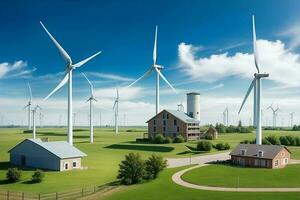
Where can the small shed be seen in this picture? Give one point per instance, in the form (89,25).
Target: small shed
(266,156)
(211,133)
(58,155)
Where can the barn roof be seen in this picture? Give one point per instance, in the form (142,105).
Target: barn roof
(269,151)
(61,149)
(180,115)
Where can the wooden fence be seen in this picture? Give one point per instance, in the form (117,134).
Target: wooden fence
(70,194)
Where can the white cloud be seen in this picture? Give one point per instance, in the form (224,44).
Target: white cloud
(110,76)
(16,69)
(282,65)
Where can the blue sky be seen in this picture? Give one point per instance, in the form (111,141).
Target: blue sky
(194,37)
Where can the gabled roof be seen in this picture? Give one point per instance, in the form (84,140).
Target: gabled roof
(61,149)
(180,115)
(269,151)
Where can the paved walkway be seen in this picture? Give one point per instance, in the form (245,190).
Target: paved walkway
(177,179)
(179,162)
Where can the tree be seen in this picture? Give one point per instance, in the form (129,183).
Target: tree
(154,165)
(159,139)
(132,169)
(273,139)
(178,139)
(13,175)
(204,146)
(37,176)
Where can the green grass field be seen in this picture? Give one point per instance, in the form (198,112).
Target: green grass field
(233,176)
(103,156)
(163,188)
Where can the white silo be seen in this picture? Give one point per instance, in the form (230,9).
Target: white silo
(193,105)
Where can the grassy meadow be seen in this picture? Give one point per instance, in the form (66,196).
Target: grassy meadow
(103,158)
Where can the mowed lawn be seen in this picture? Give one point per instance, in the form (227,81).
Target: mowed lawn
(104,155)
(233,176)
(163,188)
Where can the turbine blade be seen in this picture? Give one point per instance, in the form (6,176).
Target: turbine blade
(247,94)
(148,73)
(155,47)
(64,54)
(114,105)
(62,83)
(117,93)
(91,85)
(26,106)
(255,52)
(79,64)
(30,92)
(162,76)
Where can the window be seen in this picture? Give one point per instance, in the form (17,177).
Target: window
(260,153)
(243,152)
(276,162)
(66,166)
(167,116)
(282,153)
(74,164)
(154,129)
(165,122)
(175,122)
(154,122)
(286,161)
(177,128)
(164,129)
(163,115)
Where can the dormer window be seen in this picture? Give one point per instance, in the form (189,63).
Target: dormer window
(243,152)
(260,153)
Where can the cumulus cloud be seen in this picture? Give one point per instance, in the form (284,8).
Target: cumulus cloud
(110,76)
(16,69)
(282,65)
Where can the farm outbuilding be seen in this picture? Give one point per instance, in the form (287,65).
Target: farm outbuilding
(35,153)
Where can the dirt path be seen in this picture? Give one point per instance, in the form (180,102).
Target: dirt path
(178,180)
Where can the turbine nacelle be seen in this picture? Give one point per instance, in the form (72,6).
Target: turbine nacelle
(261,75)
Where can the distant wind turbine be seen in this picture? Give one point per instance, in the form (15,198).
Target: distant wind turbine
(29,106)
(34,120)
(67,78)
(274,112)
(225,116)
(158,69)
(256,85)
(91,99)
(116,109)
(292,118)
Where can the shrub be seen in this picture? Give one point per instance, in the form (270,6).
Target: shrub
(204,146)
(265,141)
(291,140)
(132,169)
(273,139)
(168,140)
(284,141)
(13,175)
(159,139)
(297,139)
(154,165)
(178,139)
(208,137)
(222,146)
(37,176)
(248,142)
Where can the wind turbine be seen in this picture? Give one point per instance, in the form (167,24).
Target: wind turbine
(116,109)
(292,118)
(29,106)
(256,85)
(225,116)
(67,78)
(158,69)
(34,119)
(274,111)
(91,99)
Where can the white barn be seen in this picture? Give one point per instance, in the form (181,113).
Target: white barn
(35,153)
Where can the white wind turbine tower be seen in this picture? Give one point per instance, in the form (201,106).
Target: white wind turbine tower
(225,116)
(292,118)
(274,112)
(116,109)
(34,120)
(158,69)
(256,85)
(29,106)
(67,78)
(91,118)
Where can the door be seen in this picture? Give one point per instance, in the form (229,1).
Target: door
(23,160)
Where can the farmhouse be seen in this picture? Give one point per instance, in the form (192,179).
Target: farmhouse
(35,153)
(266,156)
(172,123)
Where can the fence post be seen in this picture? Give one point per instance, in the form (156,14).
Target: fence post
(23,196)
(7,194)
(82,192)
(56,195)
(39,196)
